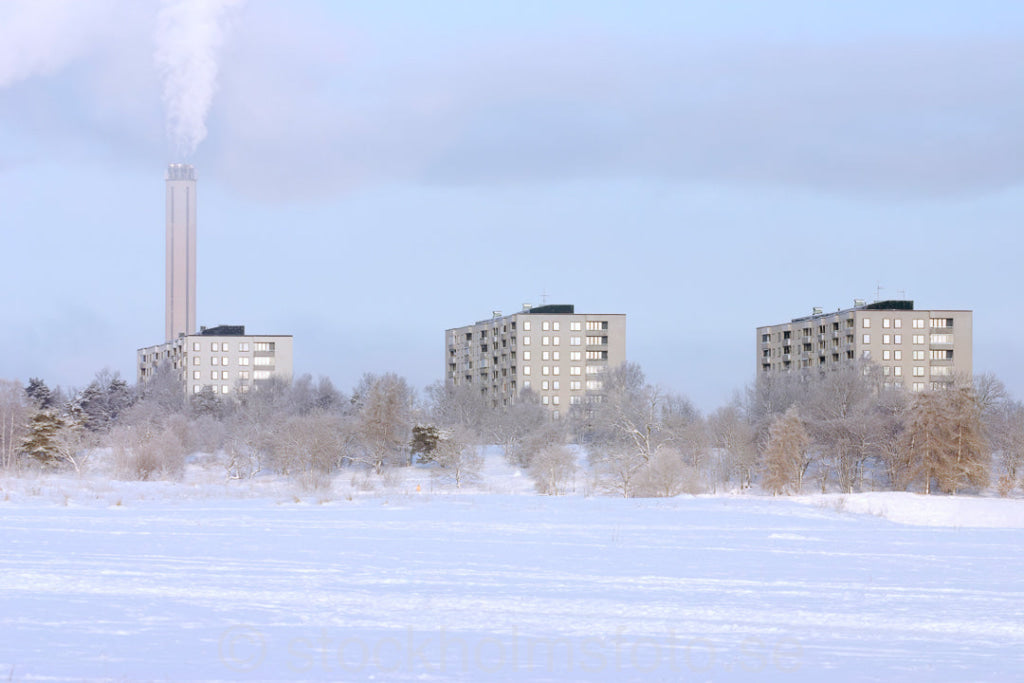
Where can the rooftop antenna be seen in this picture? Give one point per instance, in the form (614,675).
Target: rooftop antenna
(878,291)
(901,294)
(544,296)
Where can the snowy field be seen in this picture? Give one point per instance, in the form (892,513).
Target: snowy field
(255,581)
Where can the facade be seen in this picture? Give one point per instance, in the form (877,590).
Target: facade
(916,349)
(557,353)
(221,359)
(180,316)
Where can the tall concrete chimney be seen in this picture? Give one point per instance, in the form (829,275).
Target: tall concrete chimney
(181,251)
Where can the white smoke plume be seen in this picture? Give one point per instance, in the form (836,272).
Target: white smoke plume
(189,36)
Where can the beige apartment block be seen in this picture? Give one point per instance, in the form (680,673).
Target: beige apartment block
(180,255)
(557,353)
(222,359)
(915,349)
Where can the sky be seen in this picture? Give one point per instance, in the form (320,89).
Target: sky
(371,174)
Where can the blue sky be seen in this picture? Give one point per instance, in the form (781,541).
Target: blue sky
(373,173)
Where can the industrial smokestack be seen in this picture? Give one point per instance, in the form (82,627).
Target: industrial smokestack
(181,251)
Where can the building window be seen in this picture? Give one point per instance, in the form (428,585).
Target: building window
(575,385)
(575,355)
(897,355)
(214,346)
(887,339)
(263,346)
(941,371)
(918,355)
(898,371)
(261,374)
(196,389)
(545,400)
(545,326)
(196,374)
(897,339)
(867,337)
(918,323)
(866,354)
(897,323)
(594,385)
(545,385)
(918,371)
(556,385)
(546,355)
(195,360)
(545,341)
(575,326)
(575,400)
(917,386)
(555,400)
(556,370)
(556,340)
(555,355)
(225,389)
(526,384)
(574,341)
(526,325)
(195,346)
(243,346)
(942,339)
(243,361)
(215,360)
(243,374)
(866,323)
(526,369)
(919,339)
(887,355)
(526,340)
(545,370)
(886,322)
(575,370)
(556,326)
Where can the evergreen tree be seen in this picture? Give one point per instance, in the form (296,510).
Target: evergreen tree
(41,441)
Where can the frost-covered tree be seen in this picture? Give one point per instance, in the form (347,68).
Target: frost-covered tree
(733,439)
(458,457)
(512,426)
(15,410)
(383,421)
(553,469)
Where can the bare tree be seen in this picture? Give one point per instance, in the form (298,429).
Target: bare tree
(553,469)
(14,416)
(666,474)
(383,420)
(309,447)
(511,426)
(147,451)
(785,455)
(733,440)
(458,457)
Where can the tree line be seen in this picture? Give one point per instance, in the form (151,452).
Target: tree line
(840,431)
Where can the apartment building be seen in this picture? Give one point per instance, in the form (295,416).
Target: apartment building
(916,349)
(557,353)
(222,359)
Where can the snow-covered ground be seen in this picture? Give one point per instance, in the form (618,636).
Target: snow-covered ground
(204,580)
